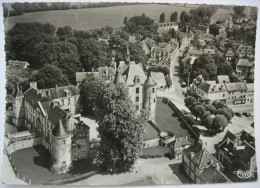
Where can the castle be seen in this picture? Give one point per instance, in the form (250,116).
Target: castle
(52,112)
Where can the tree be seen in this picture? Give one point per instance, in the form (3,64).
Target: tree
(226,113)
(239,9)
(174,17)
(125,20)
(219,123)
(64,32)
(210,108)
(162,17)
(189,101)
(207,122)
(214,29)
(93,54)
(49,76)
(90,88)
(218,104)
(117,39)
(225,69)
(198,111)
(120,130)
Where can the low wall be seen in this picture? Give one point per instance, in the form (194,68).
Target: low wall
(22,140)
(182,118)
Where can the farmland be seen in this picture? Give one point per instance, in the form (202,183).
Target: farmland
(222,14)
(89,18)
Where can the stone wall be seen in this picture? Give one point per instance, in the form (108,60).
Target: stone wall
(22,140)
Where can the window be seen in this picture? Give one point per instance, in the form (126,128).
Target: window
(153,90)
(63,141)
(136,99)
(137,107)
(223,95)
(154,100)
(137,90)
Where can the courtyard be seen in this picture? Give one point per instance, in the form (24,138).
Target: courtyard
(37,158)
(167,120)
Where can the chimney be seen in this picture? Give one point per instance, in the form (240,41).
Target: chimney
(56,86)
(33,85)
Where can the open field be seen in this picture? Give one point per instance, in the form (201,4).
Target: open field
(85,19)
(222,14)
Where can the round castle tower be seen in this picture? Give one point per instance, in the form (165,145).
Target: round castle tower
(61,161)
(149,97)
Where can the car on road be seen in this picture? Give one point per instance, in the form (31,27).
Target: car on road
(248,114)
(238,114)
(183,84)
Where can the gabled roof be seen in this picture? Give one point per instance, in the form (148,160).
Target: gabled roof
(158,77)
(132,71)
(209,51)
(204,87)
(180,142)
(250,87)
(59,92)
(195,52)
(56,114)
(199,79)
(230,53)
(118,78)
(223,78)
(212,175)
(18,64)
(237,86)
(244,63)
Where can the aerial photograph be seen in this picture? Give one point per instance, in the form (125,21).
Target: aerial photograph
(128,93)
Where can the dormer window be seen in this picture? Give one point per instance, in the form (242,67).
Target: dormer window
(67,93)
(137,80)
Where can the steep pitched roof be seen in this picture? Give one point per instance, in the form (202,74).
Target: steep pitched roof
(230,53)
(159,77)
(237,86)
(60,130)
(59,92)
(204,87)
(180,142)
(133,71)
(118,78)
(223,78)
(244,63)
(212,175)
(209,51)
(55,114)
(150,82)
(250,87)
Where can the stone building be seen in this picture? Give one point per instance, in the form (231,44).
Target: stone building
(52,113)
(237,152)
(201,166)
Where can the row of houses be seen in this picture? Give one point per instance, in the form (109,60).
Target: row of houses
(223,90)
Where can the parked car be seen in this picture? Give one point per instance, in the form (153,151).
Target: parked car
(248,114)
(183,84)
(238,114)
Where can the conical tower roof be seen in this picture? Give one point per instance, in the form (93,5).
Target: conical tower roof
(60,130)
(19,93)
(149,81)
(118,78)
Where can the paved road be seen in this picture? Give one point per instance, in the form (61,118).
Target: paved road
(242,107)
(156,169)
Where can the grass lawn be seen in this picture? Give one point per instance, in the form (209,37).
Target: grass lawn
(177,170)
(167,120)
(156,150)
(95,17)
(222,14)
(33,163)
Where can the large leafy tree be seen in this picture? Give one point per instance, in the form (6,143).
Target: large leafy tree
(93,54)
(120,130)
(162,17)
(90,89)
(219,123)
(198,111)
(49,76)
(174,17)
(189,101)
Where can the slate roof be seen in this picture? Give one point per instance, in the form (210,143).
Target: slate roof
(60,130)
(59,92)
(18,64)
(132,71)
(244,63)
(250,87)
(56,114)
(199,79)
(217,88)
(204,87)
(223,78)
(212,175)
(33,97)
(150,82)
(158,77)
(196,43)
(244,49)
(209,51)
(237,86)
(230,53)
(195,52)
(118,78)
(202,27)
(179,142)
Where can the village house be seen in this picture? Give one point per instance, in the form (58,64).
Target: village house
(160,79)
(223,79)
(166,26)
(201,166)
(212,91)
(229,56)
(245,51)
(237,152)
(177,146)
(18,64)
(106,74)
(243,68)
(236,93)
(250,93)
(147,45)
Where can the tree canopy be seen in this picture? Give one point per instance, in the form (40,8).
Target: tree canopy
(174,17)
(120,130)
(162,17)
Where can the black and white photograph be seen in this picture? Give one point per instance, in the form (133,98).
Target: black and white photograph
(126,93)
